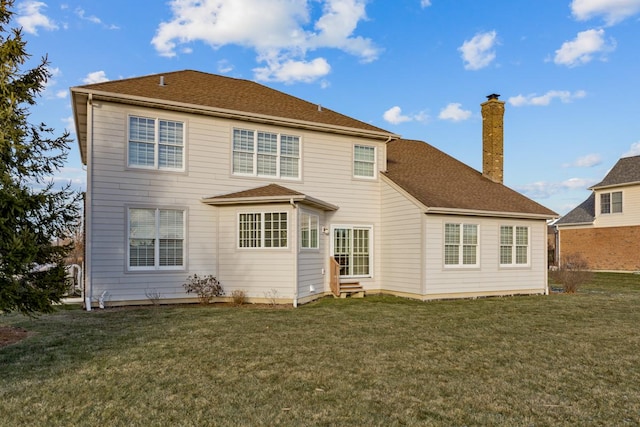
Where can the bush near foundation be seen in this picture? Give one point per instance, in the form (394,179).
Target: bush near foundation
(572,273)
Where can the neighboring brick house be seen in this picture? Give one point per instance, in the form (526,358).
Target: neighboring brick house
(605,228)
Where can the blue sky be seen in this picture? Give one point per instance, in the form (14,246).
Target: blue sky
(568,70)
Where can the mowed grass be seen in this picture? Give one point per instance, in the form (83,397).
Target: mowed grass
(526,360)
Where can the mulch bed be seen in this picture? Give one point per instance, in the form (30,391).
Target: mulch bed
(10,335)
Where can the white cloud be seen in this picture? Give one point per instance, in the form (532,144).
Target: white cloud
(94,19)
(564,96)
(478,52)
(290,71)
(587,161)
(95,77)
(454,112)
(613,11)
(31,18)
(425,3)
(543,189)
(394,116)
(281,32)
(61,94)
(582,49)
(634,150)
(224,66)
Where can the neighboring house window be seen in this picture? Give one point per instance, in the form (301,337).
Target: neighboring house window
(351,249)
(308,231)
(611,202)
(262,230)
(364,161)
(156,143)
(461,244)
(156,239)
(265,154)
(514,245)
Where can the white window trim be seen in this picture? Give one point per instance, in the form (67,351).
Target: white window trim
(318,230)
(461,245)
(611,212)
(371,247)
(278,156)
(514,246)
(262,239)
(375,162)
(156,144)
(156,267)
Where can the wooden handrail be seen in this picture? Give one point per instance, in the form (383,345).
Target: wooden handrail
(334,276)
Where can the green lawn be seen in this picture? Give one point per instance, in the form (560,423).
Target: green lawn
(539,360)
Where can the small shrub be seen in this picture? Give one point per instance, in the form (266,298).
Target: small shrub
(206,287)
(239,297)
(572,272)
(154,296)
(272,296)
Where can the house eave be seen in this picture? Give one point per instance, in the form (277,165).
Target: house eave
(231,114)
(604,187)
(495,214)
(302,199)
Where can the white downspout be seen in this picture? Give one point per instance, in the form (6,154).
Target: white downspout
(88,289)
(294,248)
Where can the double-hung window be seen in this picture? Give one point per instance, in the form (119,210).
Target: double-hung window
(461,245)
(156,143)
(514,245)
(156,239)
(611,202)
(309,231)
(262,230)
(257,153)
(364,161)
(352,250)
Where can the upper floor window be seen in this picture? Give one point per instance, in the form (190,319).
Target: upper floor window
(364,161)
(611,202)
(258,153)
(514,245)
(262,230)
(309,231)
(156,239)
(461,244)
(156,143)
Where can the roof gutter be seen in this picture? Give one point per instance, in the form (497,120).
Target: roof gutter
(232,114)
(227,201)
(472,212)
(604,187)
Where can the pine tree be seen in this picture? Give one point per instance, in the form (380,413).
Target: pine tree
(32,212)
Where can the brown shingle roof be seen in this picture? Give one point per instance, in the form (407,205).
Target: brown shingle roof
(439,181)
(272,193)
(226,93)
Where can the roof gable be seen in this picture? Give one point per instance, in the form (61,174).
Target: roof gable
(584,213)
(225,93)
(625,171)
(440,182)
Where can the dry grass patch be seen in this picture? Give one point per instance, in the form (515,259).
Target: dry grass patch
(557,360)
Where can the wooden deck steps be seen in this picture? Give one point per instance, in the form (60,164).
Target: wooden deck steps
(351,289)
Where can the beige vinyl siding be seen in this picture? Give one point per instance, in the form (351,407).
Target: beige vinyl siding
(312,262)
(256,271)
(326,174)
(402,254)
(630,214)
(490,276)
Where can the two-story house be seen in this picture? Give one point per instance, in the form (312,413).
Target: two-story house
(194,173)
(605,228)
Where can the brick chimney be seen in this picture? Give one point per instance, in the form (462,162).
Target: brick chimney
(493,138)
